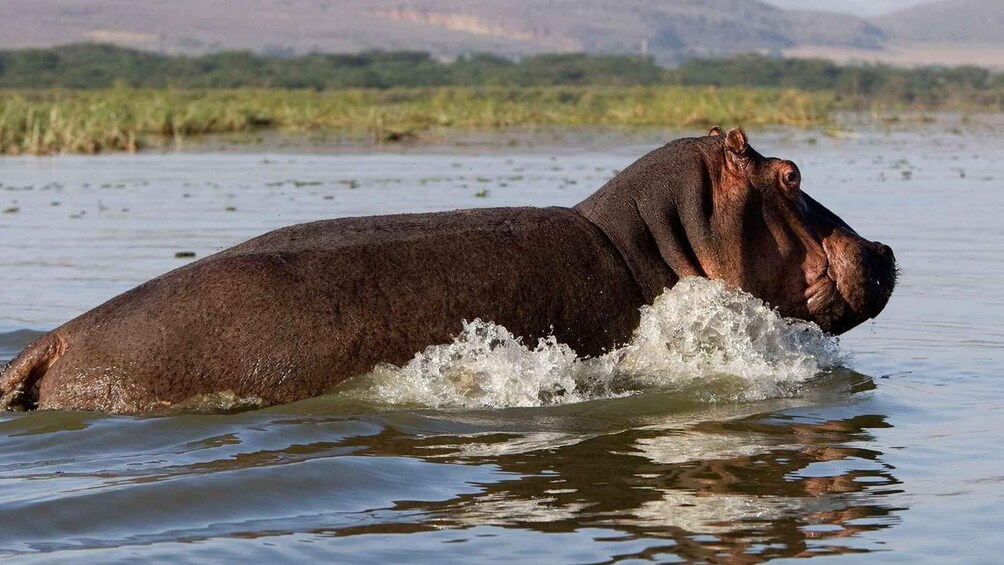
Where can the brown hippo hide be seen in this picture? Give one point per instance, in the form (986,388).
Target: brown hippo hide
(292,313)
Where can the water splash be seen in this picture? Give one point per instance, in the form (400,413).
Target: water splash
(724,344)
(699,339)
(485,366)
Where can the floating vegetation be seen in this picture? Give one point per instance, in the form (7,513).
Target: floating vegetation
(126,119)
(184,255)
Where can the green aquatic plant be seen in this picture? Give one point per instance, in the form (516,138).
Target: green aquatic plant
(126,119)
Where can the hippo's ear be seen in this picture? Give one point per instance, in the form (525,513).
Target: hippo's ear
(716,131)
(736,142)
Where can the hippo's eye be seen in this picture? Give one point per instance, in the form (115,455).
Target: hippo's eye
(790,178)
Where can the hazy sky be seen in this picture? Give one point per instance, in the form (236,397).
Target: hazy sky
(857,7)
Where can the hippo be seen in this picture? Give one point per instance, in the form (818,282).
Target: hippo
(292,313)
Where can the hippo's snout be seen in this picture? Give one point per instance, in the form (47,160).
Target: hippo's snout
(864,275)
(883,273)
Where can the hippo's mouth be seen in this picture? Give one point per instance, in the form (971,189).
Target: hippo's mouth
(827,307)
(821,293)
(849,289)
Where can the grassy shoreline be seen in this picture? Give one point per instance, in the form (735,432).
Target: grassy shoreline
(126,119)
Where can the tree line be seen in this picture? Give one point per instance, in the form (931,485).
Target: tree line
(94,66)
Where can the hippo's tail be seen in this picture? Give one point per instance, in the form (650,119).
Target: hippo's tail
(19,380)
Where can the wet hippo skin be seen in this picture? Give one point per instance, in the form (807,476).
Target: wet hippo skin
(292,313)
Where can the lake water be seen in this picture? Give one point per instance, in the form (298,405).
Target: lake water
(893,453)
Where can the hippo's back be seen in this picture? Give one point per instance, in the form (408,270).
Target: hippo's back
(289,314)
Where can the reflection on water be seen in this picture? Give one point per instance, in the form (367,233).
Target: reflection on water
(700,483)
(692,489)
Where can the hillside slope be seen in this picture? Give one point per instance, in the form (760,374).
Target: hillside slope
(973,22)
(668,29)
(864,8)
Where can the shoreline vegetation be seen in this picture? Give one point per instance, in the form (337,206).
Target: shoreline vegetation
(96,98)
(125,119)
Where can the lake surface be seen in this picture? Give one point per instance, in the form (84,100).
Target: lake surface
(888,449)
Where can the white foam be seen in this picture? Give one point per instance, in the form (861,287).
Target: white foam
(727,344)
(699,338)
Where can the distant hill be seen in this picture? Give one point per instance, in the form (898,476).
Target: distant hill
(947,32)
(839,30)
(668,29)
(865,8)
(972,22)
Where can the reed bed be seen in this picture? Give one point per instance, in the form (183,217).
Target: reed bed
(124,119)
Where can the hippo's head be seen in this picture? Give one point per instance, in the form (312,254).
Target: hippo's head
(714,207)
